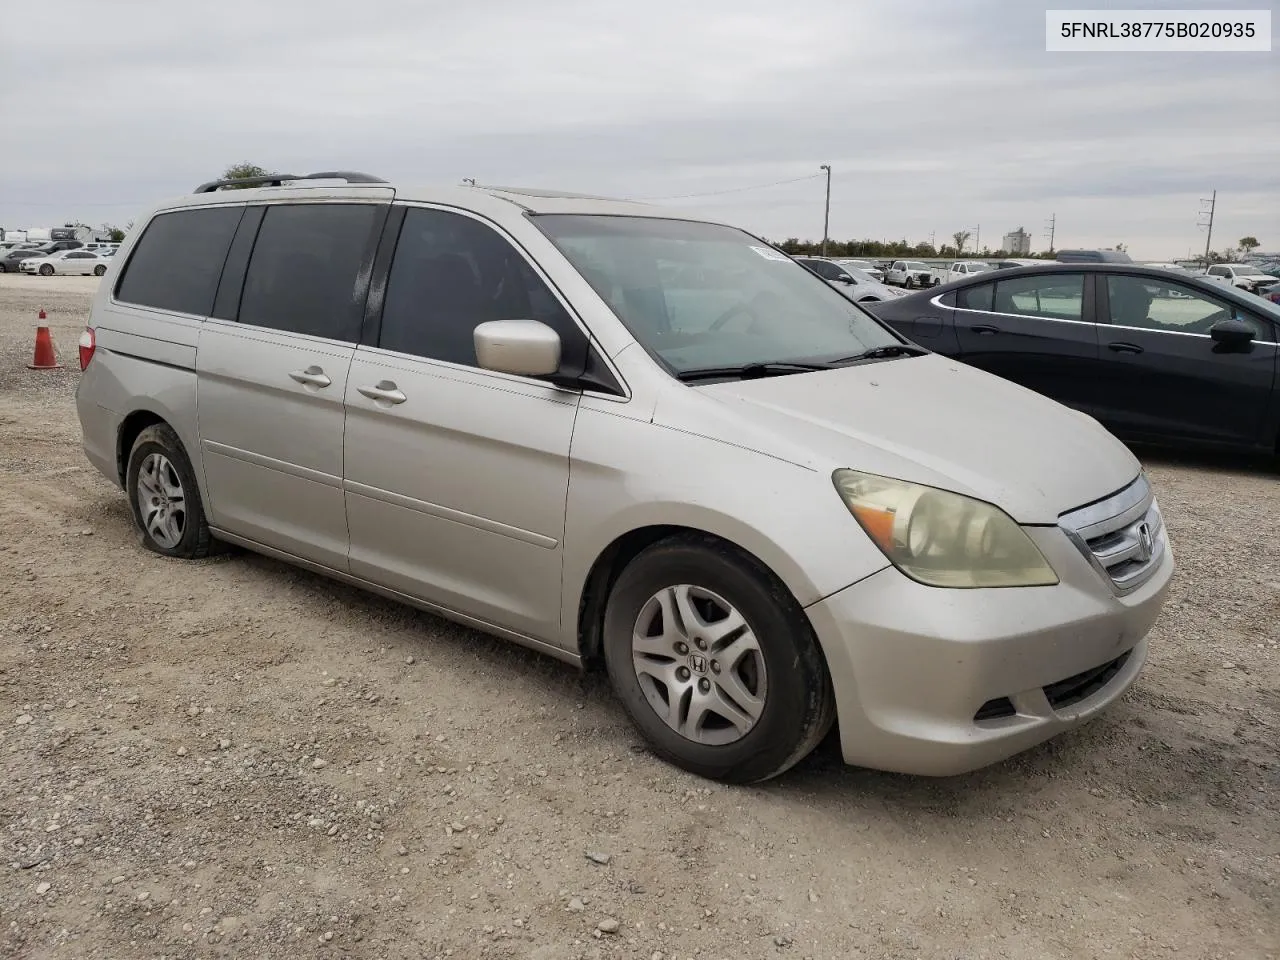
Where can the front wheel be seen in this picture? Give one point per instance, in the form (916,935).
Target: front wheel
(99,270)
(165,499)
(46,270)
(910,283)
(715,662)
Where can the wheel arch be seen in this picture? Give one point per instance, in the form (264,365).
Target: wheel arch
(625,547)
(127,435)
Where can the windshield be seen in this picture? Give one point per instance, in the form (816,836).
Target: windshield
(915,265)
(701,295)
(979,267)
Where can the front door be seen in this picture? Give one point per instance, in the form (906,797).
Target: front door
(1165,377)
(272,376)
(456,477)
(1035,330)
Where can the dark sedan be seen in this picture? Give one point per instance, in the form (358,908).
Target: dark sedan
(10,259)
(1155,355)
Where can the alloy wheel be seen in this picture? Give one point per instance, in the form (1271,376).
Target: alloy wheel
(699,664)
(161,501)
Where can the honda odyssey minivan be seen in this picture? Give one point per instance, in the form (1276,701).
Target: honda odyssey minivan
(631,439)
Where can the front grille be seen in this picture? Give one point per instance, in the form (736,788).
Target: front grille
(1122,536)
(1083,685)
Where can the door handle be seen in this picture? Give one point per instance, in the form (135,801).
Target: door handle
(1121,347)
(385,391)
(312,376)
(985,329)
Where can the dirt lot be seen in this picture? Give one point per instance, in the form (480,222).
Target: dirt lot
(236,759)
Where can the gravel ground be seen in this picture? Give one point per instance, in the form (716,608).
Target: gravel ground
(234,758)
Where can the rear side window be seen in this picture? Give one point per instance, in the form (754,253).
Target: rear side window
(1057,296)
(302,274)
(977,297)
(178,260)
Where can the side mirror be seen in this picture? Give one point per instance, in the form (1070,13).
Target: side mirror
(845,278)
(1232,333)
(527,348)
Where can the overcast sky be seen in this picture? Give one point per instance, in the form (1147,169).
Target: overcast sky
(935,115)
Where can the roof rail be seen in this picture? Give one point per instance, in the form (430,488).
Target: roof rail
(276,179)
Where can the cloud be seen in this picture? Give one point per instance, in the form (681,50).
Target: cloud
(934,115)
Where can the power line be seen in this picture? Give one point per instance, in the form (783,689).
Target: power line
(716,193)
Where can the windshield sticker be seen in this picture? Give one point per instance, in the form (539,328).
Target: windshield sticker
(769,254)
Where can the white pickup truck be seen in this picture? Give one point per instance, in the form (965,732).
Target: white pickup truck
(961,269)
(910,274)
(1242,275)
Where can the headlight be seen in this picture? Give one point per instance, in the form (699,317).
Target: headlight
(943,539)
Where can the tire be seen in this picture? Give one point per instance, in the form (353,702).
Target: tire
(99,270)
(156,461)
(909,283)
(46,270)
(783,710)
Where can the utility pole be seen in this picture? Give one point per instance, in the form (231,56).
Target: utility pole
(826,217)
(1213,203)
(1051,226)
(977,239)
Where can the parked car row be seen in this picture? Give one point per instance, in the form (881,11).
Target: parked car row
(84,262)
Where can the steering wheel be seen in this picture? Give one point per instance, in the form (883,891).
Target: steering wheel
(738,308)
(1213,319)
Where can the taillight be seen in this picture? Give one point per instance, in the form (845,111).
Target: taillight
(87,345)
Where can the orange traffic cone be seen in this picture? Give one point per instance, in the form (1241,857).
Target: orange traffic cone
(45,357)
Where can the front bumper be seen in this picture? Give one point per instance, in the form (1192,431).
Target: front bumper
(913,666)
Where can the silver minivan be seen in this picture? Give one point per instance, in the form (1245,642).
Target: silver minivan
(634,440)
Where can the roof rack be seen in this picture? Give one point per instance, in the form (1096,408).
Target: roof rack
(277,179)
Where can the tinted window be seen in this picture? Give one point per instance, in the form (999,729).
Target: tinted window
(302,274)
(1219,272)
(977,297)
(1156,305)
(80,256)
(825,269)
(178,260)
(450,274)
(1057,295)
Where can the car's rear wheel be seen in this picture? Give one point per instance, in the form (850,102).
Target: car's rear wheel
(715,662)
(46,270)
(3,268)
(99,270)
(165,499)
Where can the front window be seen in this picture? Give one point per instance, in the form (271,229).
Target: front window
(701,295)
(1156,305)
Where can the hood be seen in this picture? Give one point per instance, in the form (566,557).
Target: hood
(928,420)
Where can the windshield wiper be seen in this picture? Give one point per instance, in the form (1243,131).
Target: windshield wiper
(884,353)
(749,371)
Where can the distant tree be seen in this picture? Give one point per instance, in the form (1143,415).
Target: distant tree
(1249,244)
(243,171)
(960,237)
(113,233)
(1121,247)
